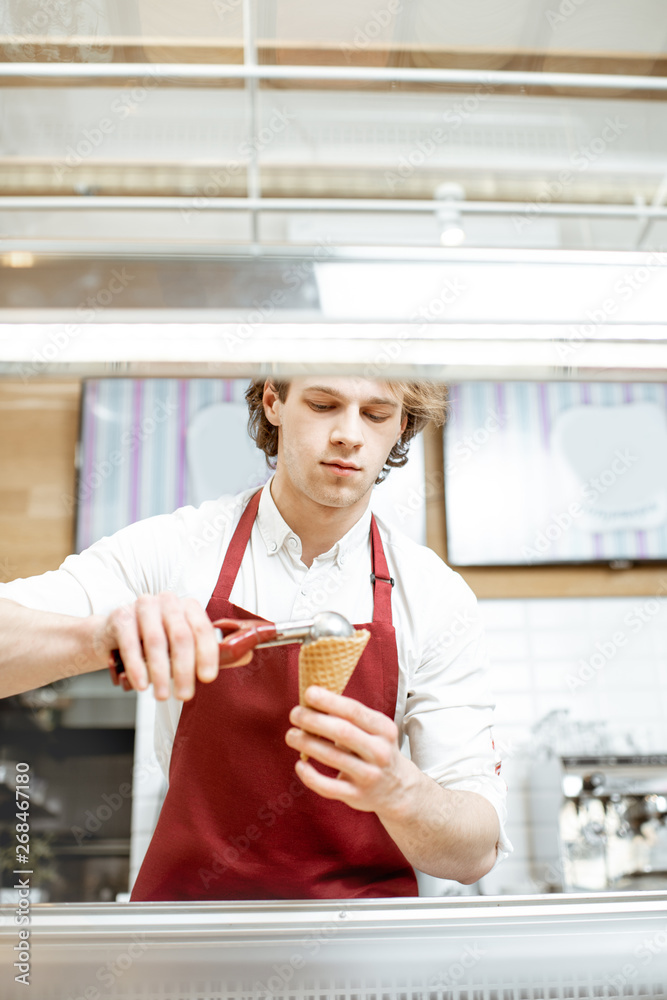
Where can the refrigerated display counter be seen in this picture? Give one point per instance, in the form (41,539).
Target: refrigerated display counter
(467,948)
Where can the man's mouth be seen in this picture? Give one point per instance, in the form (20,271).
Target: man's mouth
(342,468)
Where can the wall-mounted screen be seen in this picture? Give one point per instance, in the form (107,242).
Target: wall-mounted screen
(556,472)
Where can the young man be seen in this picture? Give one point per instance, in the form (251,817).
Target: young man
(360,815)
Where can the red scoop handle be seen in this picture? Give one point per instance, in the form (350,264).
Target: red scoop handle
(240,636)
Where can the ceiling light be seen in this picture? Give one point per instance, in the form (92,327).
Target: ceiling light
(18,258)
(450,223)
(452,233)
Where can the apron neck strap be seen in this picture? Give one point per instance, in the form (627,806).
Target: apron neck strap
(381,581)
(237,546)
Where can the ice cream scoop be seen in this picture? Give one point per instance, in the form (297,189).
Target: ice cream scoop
(240,635)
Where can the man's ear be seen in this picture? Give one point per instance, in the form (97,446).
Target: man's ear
(271,403)
(404,424)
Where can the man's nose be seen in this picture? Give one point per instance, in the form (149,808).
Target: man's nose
(347,429)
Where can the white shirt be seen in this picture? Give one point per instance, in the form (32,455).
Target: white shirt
(444,709)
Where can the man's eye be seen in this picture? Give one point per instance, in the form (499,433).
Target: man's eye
(376,418)
(319,406)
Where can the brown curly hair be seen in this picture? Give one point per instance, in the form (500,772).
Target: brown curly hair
(423,402)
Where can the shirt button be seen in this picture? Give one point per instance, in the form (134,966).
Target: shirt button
(273,547)
(293,542)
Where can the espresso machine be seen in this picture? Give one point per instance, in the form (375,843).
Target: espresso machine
(600,822)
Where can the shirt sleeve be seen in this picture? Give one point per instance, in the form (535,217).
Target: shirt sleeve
(116,570)
(450,709)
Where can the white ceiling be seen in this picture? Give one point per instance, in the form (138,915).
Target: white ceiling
(523,149)
(609,26)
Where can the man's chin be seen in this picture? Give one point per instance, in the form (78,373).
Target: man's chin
(341,494)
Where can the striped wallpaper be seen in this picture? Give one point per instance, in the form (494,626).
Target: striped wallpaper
(133,448)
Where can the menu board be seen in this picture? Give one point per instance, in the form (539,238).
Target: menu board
(556,472)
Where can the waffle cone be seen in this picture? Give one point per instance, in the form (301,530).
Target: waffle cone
(330,662)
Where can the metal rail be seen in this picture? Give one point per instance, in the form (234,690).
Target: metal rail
(173,72)
(530,209)
(250,61)
(136,249)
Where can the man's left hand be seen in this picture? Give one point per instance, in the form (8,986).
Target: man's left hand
(441,831)
(357,741)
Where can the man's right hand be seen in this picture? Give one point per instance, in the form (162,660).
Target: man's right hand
(162,636)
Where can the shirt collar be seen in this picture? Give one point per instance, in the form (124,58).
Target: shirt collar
(275,531)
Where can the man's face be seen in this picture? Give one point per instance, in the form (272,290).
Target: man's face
(334,435)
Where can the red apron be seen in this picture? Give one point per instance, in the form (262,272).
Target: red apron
(236,822)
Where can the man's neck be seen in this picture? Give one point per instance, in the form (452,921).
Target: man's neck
(319,527)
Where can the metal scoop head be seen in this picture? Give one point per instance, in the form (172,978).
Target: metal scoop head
(329,623)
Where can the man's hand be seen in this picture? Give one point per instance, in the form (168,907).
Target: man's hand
(443,832)
(357,741)
(162,636)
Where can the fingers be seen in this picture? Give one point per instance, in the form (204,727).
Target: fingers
(205,641)
(163,636)
(374,743)
(368,719)
(334,730)
(330,788)
(326,753)
(121,631)
(151,626)
(372,772)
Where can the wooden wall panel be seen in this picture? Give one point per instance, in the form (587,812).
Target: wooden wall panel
(39,426)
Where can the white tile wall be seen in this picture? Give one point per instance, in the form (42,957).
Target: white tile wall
(535,646)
